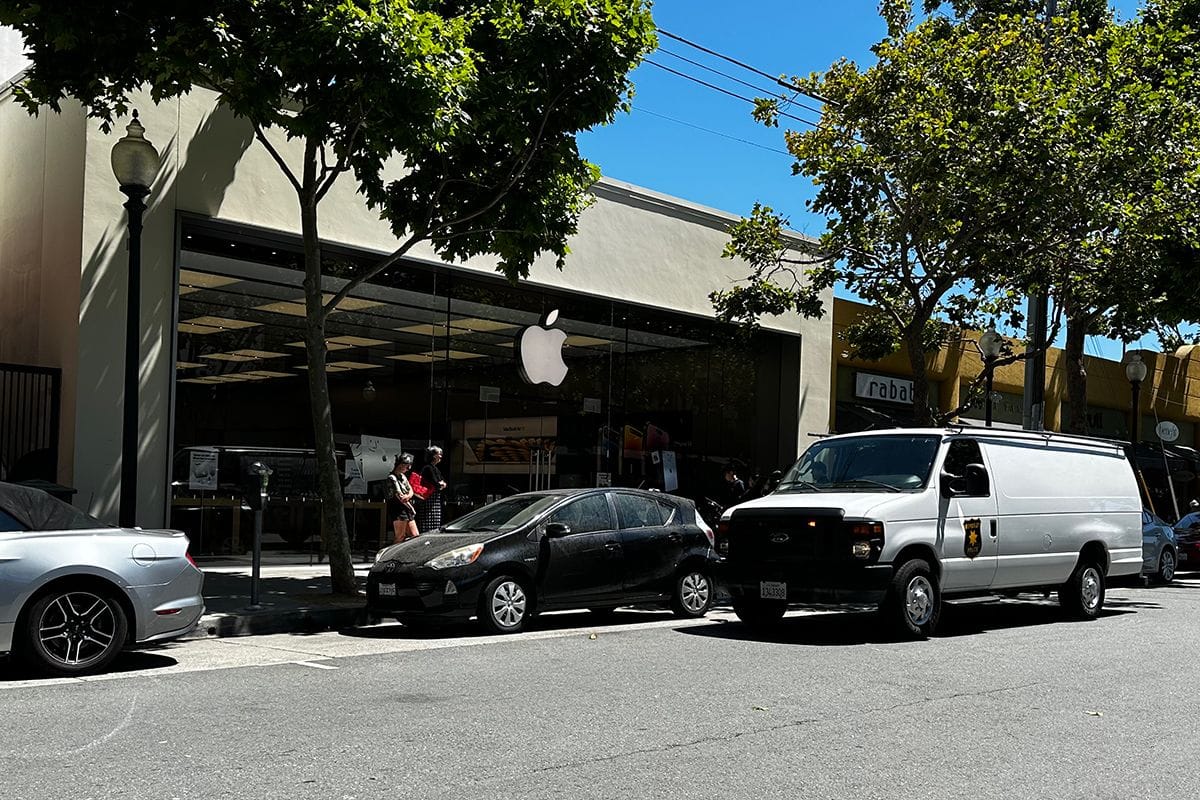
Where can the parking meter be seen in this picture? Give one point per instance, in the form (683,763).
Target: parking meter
(257,478)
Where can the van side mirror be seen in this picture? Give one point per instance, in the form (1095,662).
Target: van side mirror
(557,530)
(973,484)
(977,481)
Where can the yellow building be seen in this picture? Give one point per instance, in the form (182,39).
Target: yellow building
(877,394)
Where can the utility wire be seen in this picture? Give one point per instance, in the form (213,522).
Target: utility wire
(747,84)
(714,133)
(714,87)
(773,78)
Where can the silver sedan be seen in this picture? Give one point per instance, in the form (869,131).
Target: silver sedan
(74,591)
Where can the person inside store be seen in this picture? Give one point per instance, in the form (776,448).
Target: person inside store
(429,511)
(401,512)
(733,490)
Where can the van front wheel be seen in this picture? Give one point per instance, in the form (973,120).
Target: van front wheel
(913,604)
(1082,596)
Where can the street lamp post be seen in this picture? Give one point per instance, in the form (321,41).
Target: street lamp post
(989,346)
(135,163)
(1135,371)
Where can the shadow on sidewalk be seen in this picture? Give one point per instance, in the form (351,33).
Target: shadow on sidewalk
(128,661)
(433,629)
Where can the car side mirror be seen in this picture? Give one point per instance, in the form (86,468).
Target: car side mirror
(977,481)
(557,530)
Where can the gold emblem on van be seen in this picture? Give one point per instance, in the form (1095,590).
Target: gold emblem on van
(972,537)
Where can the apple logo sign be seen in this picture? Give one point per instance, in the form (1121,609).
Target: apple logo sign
(539,352)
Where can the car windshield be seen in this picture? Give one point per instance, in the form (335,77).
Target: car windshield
(505,515)
(894,463)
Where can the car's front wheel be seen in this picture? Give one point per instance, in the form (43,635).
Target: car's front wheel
(693,595)
(1166,566)
(504,605)
(73,631)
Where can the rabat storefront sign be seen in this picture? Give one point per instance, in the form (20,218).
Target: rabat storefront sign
(883,387)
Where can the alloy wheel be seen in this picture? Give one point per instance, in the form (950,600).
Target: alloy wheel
(694,592)
(1166,566)
(77,629)
(508,604)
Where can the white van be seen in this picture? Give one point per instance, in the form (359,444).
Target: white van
(907,518)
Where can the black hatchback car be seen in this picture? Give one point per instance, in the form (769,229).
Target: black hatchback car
(588,548)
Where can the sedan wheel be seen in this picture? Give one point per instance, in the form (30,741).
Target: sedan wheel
(72,632)
(1166,566)
(504,605)
(693,595)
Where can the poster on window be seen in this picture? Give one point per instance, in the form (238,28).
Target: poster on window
(670,475)
(355,483)
(510,446)
(202,469)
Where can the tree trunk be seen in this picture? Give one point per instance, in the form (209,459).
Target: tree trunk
(923,415)
(1076,421)
(334,537)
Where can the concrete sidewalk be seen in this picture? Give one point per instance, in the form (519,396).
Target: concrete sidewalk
(293,599)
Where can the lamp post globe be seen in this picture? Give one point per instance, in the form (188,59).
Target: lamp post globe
(1135,371)
(135,163)
(990,344)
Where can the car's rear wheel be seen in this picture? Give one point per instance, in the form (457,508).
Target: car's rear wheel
(1166,566)
(693,595)
(73,631)
(913,604)
(1082,596)
(504,605)
(759,614)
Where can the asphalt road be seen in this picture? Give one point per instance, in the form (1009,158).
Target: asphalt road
(1010,701)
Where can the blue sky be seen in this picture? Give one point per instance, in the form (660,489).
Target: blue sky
(734,162)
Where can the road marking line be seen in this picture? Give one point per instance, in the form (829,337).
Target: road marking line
(313,664)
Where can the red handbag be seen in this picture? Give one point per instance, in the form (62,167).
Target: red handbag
(419,489)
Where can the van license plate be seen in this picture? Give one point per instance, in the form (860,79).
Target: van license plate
(772,590)
(387,590)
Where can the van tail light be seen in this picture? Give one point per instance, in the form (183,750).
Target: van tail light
(722,536)
(708,532)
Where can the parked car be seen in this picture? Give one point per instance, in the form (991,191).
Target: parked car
(589,548)
(1187,543)
(907,518)
(1159,553)
(74,591)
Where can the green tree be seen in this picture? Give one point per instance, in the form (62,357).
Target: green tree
(926,164)
(481,100)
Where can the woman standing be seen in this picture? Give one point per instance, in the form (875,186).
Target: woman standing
(400,500)
(430,511)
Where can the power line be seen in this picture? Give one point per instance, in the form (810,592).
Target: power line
(745,66)
(716,88)
(710,130)
(703,66)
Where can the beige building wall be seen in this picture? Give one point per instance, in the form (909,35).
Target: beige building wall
(633,245)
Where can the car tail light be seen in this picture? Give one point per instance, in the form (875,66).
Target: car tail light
(192,561)
(708,532)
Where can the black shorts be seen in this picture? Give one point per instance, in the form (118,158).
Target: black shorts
(400,511)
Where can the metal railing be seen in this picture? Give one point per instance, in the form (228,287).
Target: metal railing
(30,408)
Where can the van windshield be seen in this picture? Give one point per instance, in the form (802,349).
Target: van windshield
(896,463)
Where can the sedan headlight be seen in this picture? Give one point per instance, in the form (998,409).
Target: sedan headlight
(458,557)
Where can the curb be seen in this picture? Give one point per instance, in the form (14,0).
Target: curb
(266,621)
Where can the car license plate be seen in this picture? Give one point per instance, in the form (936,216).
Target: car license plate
(387,590)
(772,590)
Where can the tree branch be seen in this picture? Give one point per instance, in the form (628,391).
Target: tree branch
(261,136)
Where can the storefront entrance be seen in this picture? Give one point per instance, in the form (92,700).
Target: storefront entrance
(427,355)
